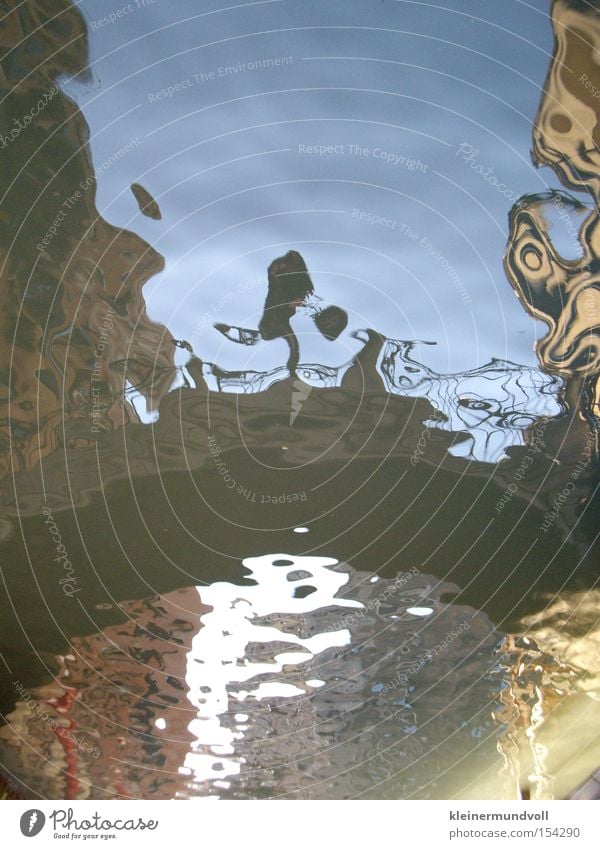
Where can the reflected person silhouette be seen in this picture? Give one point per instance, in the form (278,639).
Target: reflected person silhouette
(290,288)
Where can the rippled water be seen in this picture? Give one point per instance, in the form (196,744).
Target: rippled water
(297,499)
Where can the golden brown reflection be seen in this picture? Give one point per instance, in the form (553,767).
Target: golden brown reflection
(553,696)
(565,294)
(567,127)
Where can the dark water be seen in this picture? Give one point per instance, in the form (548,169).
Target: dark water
(297,498)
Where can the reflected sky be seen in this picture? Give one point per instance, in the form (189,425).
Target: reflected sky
(360,149)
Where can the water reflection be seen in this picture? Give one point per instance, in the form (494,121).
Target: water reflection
(432,627)
(494,406)
(247,639)
(565,133)
(75,328)
(562,292)
(314,681)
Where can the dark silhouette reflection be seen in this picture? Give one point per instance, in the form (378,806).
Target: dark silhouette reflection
(317,557)
(75,333)
(289,286)
(290,289)
(148,206)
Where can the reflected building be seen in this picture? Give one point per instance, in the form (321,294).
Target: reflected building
(313,682)
(564,292)
(75,333)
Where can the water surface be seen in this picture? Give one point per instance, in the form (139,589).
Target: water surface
(297,498)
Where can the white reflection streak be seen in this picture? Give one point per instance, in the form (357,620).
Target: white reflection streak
(218,655)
